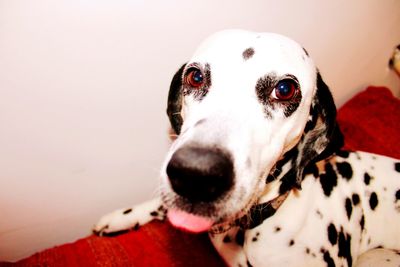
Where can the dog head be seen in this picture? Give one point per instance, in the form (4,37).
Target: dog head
(250,111)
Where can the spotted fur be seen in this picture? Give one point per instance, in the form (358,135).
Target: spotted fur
(293,197)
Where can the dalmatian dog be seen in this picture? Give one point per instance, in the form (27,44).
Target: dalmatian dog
(257,162)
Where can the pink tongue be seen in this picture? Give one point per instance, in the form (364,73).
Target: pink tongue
(189,222)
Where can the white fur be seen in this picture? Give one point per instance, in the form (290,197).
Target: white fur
(234,117)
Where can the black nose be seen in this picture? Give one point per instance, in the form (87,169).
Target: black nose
(200,174)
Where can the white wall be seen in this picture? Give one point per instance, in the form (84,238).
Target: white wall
(83,87)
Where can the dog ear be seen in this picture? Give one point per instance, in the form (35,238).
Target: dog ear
(333,134)
(175,101)
(322,136)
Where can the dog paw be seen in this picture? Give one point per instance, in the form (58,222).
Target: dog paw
(129,219)
(116,221)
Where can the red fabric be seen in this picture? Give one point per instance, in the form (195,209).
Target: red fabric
(154,244)
(369,121)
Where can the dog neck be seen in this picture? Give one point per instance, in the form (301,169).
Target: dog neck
(254,217)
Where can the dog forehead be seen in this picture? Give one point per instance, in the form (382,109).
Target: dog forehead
(261,53)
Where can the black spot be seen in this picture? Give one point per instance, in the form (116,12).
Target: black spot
(373,200)
(305,51)
(291,243)
(255,238)
(291,155)
(367,178)
(312,169)
(240,237)
(391,63)
(343,153)
(328,179)
(288,156)
(127,211)
(356,199)
(270,178)
(328,259)
(345,170)
(397,194)
(259,213)
(388,260)
(397,166)
(154,213)
(332,234)
(277,229)
(345,247)
(227,239)
(136,227)
(320,215)
(114,234)
(248,53)
(287,181)
(349,207)
(307,250)
(162,208)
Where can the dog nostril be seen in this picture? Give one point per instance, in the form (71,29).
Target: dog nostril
(200,174)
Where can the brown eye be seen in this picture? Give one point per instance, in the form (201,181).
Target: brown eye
(285,89)
(194,78)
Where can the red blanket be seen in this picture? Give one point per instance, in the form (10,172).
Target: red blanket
(369,121)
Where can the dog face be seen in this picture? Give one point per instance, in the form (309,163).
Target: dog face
(240,103)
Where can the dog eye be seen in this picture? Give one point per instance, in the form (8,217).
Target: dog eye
(194,78)
(285,90)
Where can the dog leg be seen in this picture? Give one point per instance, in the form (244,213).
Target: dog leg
(130,218)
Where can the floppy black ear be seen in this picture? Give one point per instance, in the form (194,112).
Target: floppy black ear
(322,136)
(326,104)
(175,101)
